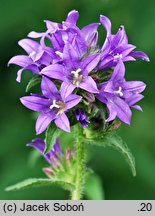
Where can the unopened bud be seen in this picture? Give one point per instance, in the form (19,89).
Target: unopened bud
(115,125)
(49,172)
(90,97)
(70,154)
(55,162)
(93,40)
(95,77)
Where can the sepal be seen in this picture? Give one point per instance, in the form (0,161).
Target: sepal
(33,82)
(52,133)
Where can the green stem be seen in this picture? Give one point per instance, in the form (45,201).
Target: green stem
(80,166)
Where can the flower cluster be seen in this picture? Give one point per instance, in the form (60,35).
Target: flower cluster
(60,164)
(78,74)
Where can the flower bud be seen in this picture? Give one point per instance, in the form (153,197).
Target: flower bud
(82,118)
(70,154)
(49,172)
(93,40)
(90,97)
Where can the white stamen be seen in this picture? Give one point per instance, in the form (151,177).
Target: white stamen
(32,54)
(76,73)
(119,91)
(118,57)
(60,54)
(77,77)
(54,105)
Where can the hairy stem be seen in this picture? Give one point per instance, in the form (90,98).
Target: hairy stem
(80,166)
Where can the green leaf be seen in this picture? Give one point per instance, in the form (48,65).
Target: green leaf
(51,134)
(34,182)
(115,141)
(93,188)
(33,82)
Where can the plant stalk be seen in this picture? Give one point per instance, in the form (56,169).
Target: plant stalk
(80,166)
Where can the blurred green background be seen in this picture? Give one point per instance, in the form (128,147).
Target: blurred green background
(17,123)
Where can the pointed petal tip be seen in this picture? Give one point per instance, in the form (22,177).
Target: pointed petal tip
(29,144)
(144,85)
(21,100)
(30,34)
(20,41)
(34,34)
(8,64)
(146,59)
(63,123)
(122,27)
(36,142)
(38,132)
(103,17)
(106,23)
(140,55)
(17,80)
(73,11)
(127,121)
(68,130)
(72,17)
(11,61)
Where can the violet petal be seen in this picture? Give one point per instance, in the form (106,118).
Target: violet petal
(70,57)
(29,45)
(89,63)
(141,55)
(89,85)
(105,21)
(35,103)
(55,71)
(21,60)
(62,122)
(72,100)
(66,89)
(44,120)
(72,17)
(49,89)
